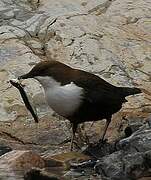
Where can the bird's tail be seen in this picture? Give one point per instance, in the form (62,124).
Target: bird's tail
(127,91)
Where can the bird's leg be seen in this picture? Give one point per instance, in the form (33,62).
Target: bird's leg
(105,129)
(74,128)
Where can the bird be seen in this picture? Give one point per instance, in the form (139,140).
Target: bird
(78,95)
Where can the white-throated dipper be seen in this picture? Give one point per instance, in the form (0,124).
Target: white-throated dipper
(77,95)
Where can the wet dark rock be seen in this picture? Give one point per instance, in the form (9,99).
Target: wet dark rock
(110,166)
(130,129)
(121,165)
(37,174)
(132,158)
(139,141)
(86,164)
(127,158)
(4,149)
(99,150)
(148,120)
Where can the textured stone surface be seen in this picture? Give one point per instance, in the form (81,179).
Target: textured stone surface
(65,159)
(15,163)
(131,159)
(4,149)
(120,166)
(38,174)
(110,38)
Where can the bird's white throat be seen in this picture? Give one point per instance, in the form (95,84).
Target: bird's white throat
(64,100)
(47,81)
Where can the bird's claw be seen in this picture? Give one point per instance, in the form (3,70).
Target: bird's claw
(103,141)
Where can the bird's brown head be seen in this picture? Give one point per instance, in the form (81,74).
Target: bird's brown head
(42,69)
(48,70)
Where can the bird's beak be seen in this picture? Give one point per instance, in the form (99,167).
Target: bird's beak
(25,76)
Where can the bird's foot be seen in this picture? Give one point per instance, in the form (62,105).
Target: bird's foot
(82,136)
(72,146)
(102,141)
(85,139)
(99,143)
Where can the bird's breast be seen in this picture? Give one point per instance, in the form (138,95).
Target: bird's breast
(64,100)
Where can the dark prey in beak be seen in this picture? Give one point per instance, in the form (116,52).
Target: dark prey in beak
(25,99)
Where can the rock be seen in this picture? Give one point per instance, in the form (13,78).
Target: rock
(4,149)
(144,178)
(16,163)
(130,129)
(108,38)
(87,35)
(132,158)
(65,159)
(99,150)
(36,174)
(70,174)
(125,166)
(149,120)
(138,141)
(110,166)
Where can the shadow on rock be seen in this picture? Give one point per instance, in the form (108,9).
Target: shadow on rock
(128,158)
(37,174)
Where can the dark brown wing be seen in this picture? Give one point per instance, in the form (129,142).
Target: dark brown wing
(100,100)
(96,89)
